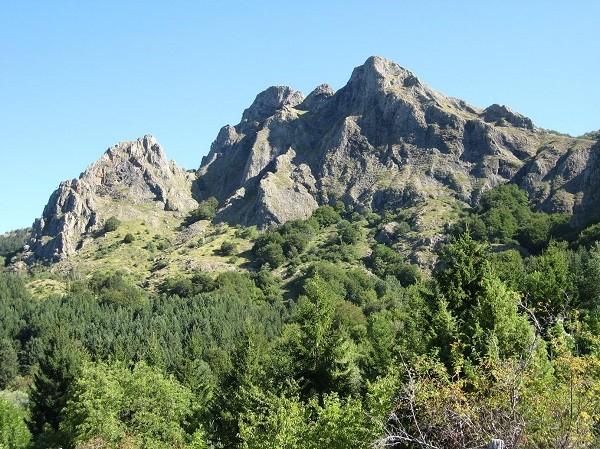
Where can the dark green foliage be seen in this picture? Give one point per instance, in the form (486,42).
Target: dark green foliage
(590,235)
(56,371)
(129,238)
(206,210)
(12,242)
(505,216)
(476,315)
(227,248)
(384,261)
(116,288)
(549,286)
(9,362)
(270,253)
(185,287)
(348,233)
(112,224)
(326,216)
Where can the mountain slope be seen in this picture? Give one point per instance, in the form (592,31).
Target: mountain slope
(384,140)
(131,180)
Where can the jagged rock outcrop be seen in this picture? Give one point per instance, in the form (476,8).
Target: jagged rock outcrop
(383,140)
(129,175)
(565,177)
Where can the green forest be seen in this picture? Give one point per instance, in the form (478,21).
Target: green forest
(316,346)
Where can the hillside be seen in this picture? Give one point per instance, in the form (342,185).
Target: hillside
(382,142)
(378,267)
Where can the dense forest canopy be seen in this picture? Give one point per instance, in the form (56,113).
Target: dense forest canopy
(315,346)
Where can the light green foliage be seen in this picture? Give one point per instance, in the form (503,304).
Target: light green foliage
(112,402)
(525,405)
(14,433)
(281,421)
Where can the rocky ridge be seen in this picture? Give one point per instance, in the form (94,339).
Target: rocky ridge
(385,140)
(130,179)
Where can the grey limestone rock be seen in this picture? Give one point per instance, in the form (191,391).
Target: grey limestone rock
(129,174)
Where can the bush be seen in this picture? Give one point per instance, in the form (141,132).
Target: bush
(326,215)
(129,238)
(112,224)
(228,248)
(349,233)
(206,210)
(271,253)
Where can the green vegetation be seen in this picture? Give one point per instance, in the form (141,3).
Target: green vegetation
(11,243)
(504,216)
(129,238)
(14,433)
(206,210)
(112,224)
(320,338)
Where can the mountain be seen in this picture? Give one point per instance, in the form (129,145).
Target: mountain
(383,141)
(132,179)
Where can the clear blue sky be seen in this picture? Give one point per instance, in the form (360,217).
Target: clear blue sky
(78,76)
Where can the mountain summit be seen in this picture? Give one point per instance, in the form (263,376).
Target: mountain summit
(383,141)
(130,179)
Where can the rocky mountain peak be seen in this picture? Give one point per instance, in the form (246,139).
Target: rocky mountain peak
(383,140)
(317,97)
(378,73)
(129,176)
(271,100)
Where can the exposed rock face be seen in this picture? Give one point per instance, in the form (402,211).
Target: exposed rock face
(565,177)
(129,174)
(383,140)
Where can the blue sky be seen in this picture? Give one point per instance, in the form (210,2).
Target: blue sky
(76,77)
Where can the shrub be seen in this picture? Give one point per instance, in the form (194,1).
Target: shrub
(228,248)
(206,210)
(14,433)
(326,215)
(112,224)
(129,238)
(349,233)
(271,253)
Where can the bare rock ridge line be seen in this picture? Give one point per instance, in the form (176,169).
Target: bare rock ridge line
(128,175)
(384,140)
